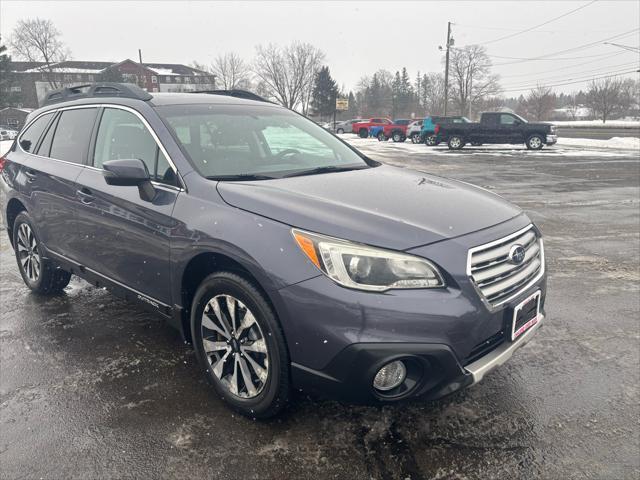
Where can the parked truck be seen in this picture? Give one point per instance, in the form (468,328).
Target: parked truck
(362,127)
(498,127)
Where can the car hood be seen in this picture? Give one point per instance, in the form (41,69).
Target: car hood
(385,206)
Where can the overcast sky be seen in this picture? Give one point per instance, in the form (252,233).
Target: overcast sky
(357,37)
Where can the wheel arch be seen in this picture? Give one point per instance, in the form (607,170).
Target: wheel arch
(203,264)
(14,207)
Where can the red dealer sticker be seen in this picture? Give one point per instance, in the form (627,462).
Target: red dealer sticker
(525,315)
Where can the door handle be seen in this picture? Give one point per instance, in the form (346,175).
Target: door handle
(31,175)
(85,195)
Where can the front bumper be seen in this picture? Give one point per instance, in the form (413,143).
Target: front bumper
(433,370)
(552,139)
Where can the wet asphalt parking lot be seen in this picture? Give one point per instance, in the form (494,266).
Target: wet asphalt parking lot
(94,387)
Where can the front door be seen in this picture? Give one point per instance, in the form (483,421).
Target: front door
(124,237)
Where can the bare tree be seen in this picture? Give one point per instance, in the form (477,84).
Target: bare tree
(540,103)
(470,74)
(38,40)
(231,71)
(604,97)
(287,73)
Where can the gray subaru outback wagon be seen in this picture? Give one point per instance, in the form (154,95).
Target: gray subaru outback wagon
(286,256)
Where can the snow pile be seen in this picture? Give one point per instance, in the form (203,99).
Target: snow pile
(5,145)
(623,143)
(598,123)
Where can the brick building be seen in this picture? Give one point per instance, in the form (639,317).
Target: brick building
(30,81)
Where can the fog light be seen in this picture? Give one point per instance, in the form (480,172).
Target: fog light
(390,376)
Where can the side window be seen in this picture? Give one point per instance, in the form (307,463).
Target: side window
(30,137)
(122,135)
(71,138)
(506,119)
(45,146)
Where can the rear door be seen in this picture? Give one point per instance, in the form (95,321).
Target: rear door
(52,168)
(123,237)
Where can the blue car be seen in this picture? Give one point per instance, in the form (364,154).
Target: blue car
(289,259)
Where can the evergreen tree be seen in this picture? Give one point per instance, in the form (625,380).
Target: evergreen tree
(353,106)
(396,95)
(325,91)
(7,97)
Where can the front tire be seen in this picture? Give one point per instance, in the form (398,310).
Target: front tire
(340,131)
(415,138)
(240,345)
(40,274)
(535,142)
(455,142)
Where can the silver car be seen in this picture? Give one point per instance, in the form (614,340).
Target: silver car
(413,131)
(345,126)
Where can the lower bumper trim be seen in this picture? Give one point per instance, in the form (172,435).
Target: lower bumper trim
(500,355)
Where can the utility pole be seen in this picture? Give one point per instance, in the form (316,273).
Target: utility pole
(446,70)
(143,80)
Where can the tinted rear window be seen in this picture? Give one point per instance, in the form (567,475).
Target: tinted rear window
(30,137)
(71,139)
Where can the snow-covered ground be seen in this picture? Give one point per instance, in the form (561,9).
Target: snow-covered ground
(566,147)
(5,145)
(598,123)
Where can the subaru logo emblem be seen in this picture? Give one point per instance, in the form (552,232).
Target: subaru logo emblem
(516,254)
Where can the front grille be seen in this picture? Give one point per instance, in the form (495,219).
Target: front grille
(485,347)
(497,278)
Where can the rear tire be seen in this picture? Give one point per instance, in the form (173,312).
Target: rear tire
(39,273)
(430,141)
(415,138)
(340,131)
(249,352)
(398,137)
(456,142)
(363,133)
(535,142)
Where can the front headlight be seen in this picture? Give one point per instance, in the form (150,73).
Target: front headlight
(367,268)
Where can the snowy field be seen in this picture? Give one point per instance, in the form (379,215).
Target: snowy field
(598,123)
(566,147)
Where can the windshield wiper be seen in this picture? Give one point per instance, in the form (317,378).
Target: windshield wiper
(327,169)
(239,176)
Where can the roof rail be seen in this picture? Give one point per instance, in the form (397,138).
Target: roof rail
(93,90)
(235,93)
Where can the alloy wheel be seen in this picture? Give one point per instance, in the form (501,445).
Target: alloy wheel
(535,143)
(29,253)
(235,346)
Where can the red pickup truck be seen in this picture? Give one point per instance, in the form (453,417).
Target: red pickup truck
(396,131)
(362,128)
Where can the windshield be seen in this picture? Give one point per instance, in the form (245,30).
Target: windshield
(230,142)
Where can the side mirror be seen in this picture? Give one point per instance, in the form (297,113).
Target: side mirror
(130,173)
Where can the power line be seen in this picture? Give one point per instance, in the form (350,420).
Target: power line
(617,74)
(568,67)
(548,59)
(539,25)
(569,50)
(563,77)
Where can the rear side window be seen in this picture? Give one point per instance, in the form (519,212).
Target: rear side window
(122,135)
(71,138)
(30,137)
(45,144)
